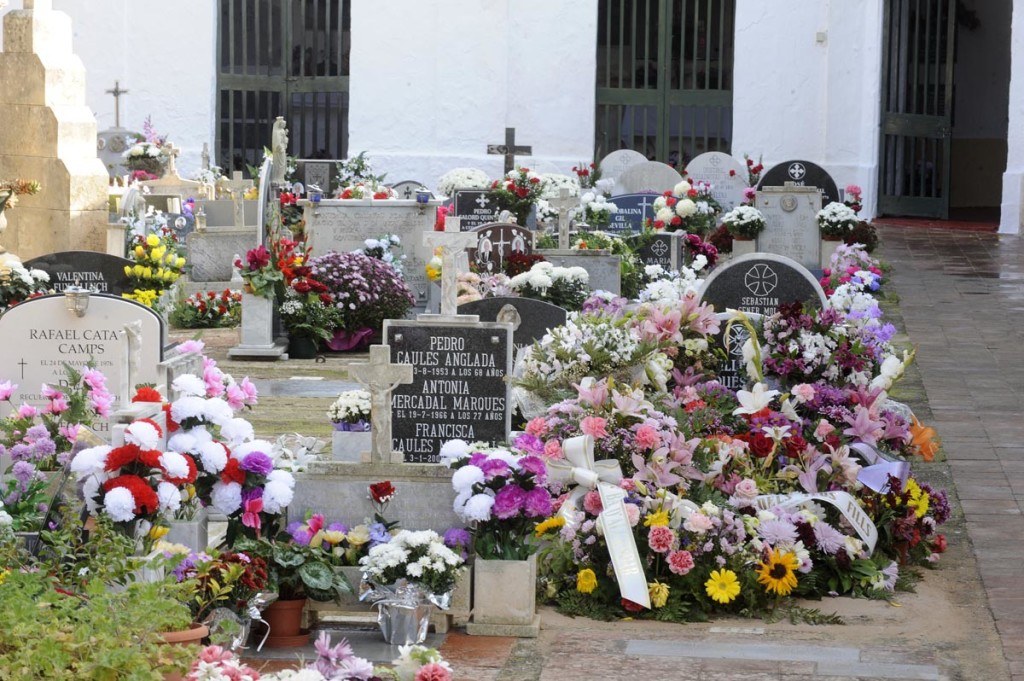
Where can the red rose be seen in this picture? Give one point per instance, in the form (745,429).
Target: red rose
(301,286)
(522,192)
(761,445)
(630,606)
(382,492)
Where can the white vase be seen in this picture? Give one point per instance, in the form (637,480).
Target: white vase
(349,446)
(743,247)
(505,591)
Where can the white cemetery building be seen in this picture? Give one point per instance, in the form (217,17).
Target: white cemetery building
(911,100)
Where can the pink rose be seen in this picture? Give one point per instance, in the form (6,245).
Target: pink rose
(660,539)
(553,449)
(594,426)
(592,502)
(823,429)
(804,392)
(647,437)
(746,489)
(680,562)
(698,523)
(537,426)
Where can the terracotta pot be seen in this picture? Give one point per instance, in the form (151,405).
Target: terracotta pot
(285,620)
(187,637)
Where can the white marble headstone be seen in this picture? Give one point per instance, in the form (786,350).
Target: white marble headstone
(614,164)
(714,167)
(650,176)
(791,227)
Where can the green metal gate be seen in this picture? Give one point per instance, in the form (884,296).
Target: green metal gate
(917,107)
(664,77)
(282,58)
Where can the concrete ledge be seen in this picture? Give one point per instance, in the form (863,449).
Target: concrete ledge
(531,630)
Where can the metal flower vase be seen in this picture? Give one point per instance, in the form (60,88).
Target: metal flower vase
(403,611)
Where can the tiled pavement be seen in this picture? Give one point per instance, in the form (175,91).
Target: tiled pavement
(961,295)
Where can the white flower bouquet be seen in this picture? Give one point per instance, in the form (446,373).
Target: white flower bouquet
(351,411)
(836,220)
(745,222)
(462,178)
(418,557)
(563,286)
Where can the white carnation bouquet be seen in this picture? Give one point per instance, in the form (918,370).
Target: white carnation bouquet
(462,178)
(563,286)
(418,557)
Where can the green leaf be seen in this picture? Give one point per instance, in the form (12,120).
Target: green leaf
(317,576)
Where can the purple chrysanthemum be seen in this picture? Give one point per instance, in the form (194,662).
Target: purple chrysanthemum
(258,463)
(536,466)
(777,532)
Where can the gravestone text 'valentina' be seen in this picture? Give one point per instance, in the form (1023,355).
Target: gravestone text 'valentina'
(530,318)
(41,335)
(791,226)
(802,174)
(459,388)
(759,283)
(98,272)
(726,175)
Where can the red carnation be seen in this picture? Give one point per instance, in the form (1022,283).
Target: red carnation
(146,500)
(147,394)
(750,161)
(534,180)
(189,478)
(151,458)
(693,193)
(301,286)
(172,425)
(630,606)
(232,472)
(122,456)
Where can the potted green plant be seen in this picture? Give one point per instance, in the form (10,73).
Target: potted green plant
(309,314)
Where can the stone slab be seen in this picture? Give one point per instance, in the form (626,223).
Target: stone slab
(664,249)
(651,176)
(475,207)
(741,650)
(100,272)
(221,213)
(603,267)
(531,630)
(791,226)
(759,282)
(617,162)
(211,252)
(714,167)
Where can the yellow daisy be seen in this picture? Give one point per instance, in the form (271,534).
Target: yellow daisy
(586,581)
(722,586)
(549,524)
(656,518)
(778,573)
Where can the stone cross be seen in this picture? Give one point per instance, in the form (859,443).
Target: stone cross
(206,156)
(117,92)
(509,149)
(452,242)
(563,204)
(237,187)
(380,377)
(171,152)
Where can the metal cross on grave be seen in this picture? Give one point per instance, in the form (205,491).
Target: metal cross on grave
(237,186)
(452,242)
(563,204)
(509,149)
(117,92)
(380,377)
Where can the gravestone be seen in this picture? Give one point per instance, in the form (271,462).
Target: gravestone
(633,211)
(759,283)
(459,388)
(40,335)
(652,176)
(407,189)
(337,225)
(602,266)
(319,173)
(662,248)
(802,174)
(791,226)
(99,272)
(530,319)
(730,339)
(496,242)
(476,207)
(178,365)
(614,164)
(714,167)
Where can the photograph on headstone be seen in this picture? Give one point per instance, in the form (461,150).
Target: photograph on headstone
(495,243)
(459,388)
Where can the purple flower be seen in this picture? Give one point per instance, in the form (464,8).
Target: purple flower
(457,539)
(777,532)
(494,468)
(477,459)
(530,444)
(258,463)
(536,466)
(379,534)
(338,527)
(508,501)
(21,452)
(24,472)
(37,432)
(43,448)
(537,503)
(250,494)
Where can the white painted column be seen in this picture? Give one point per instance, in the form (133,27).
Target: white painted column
(1012,207)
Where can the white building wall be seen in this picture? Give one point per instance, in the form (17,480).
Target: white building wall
(1012,208)
(434,83)
(162,54)
(807,83)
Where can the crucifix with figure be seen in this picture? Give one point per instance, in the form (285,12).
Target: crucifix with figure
(509,149)
(117,92)
(380,377)
(563,204)
(452,241)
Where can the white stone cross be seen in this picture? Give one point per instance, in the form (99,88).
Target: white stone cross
(563,204)
(380,377)
(452,242)
(237,187)
(171,152)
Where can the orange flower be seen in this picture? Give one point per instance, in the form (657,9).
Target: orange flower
(924,440)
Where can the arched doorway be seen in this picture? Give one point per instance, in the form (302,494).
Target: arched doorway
(664,77)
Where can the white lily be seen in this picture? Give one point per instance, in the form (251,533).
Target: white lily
(753,401)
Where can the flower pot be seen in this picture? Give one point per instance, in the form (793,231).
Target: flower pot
(285,621)
(742,246)
(300,347)
(505,591)
(191,533)
(186,637)
(403,624)
(349,446)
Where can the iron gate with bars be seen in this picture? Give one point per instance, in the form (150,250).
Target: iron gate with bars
(664,77)
(282,58)
(917,107)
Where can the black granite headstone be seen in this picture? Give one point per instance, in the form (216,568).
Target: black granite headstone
(759,283)
(661,248)
(101,272)
(530,318)
(495,242)
(730,339)
(321,173)
(633,210)
(459,388)
(476,207)
(802,174)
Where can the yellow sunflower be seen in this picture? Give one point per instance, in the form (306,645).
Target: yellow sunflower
(549,524)
(722,586)
(586,581)
(778,573)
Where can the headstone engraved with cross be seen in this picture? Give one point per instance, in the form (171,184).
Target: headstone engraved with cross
(452,242)
(564,205)
(509,149)
(236,187)
(380,376)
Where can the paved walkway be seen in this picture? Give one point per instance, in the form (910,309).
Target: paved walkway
(961,297)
